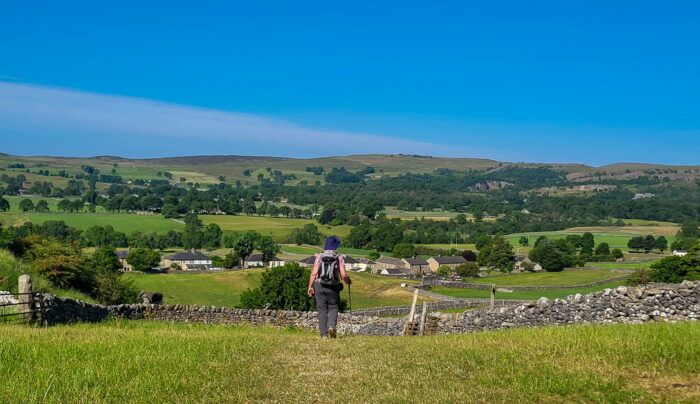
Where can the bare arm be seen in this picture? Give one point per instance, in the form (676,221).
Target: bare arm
(343,272)
(314,275)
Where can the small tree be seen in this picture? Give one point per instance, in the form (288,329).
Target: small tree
(42,206)
(468,270)
(282,288)
(26,205)
(443,271)
(268,248)
(617,254)
(661,243)
(243,244)
(524,241)
(143,259)
(602,249)
(498,254)
(4,204)
(404,250)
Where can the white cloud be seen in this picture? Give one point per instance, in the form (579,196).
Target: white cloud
(38,110)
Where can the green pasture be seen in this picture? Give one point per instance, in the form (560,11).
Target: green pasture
(614,240)
(462,246)
(563,278)
(225,288)
(293,249)
(278,228)
(151,362)
(622,265)
(123,222)
(522,295)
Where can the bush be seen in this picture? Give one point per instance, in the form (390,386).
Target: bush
(282,288)
(143,259)
(467,270)
(639,277)
(443,271)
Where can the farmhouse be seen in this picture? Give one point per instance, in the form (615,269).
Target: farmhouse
(416,265)
(351,264)
(451,261)
(122,254)
(395,271)
(521,260)
(188,260)
(307,262)
(256,261)
(680,253)
(388,262)
(366,264)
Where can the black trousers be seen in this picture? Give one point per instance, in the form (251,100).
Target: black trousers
(327,303)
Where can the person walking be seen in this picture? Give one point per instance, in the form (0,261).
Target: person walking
(325,284)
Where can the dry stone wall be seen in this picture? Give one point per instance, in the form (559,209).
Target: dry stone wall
(655,302)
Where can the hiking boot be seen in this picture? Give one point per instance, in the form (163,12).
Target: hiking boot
(331,332)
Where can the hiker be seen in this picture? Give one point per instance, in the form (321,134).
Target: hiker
(325,283)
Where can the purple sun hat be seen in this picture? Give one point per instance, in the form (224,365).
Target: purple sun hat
(332,243)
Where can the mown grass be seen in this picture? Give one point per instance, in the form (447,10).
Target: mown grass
(155,362)
(614,240)
(225,288)
(293,249)
(622,265)
(123,222)
(525,294)
(279,228)
(563,278)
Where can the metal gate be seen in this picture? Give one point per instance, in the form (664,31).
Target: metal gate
(20,308)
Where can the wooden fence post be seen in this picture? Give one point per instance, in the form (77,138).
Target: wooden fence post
(422,318)
(24,288)
(493,295)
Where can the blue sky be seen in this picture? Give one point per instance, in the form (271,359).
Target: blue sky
(592,82)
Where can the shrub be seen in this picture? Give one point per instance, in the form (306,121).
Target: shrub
(283,288)
(143,259)
(639,277)
(467,270)
(443,271)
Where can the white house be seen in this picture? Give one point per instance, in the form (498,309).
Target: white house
(680,253)
(256,261)
(188,260)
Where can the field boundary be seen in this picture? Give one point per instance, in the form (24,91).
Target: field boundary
(481,286)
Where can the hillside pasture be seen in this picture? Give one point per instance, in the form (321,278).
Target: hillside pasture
(140,362)
(279,228)
(524,294)
(614,239)
(225,288)
(563,278)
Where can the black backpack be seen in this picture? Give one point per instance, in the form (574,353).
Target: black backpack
(329,270)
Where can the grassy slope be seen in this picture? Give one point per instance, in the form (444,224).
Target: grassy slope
(279,228)
(614,239)
(224,289)
(152,362)
(523,295)
(564,278)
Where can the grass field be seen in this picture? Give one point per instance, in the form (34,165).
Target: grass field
(277,227)
(224,289)
(123,222)
(522,295)
(294,249)
(450,246)
(621,265)
(614,239)
(145,362)
(563,278)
